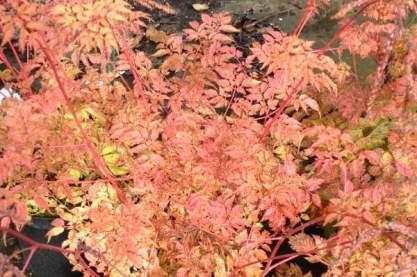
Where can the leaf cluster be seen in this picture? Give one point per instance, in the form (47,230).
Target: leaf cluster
(201,160)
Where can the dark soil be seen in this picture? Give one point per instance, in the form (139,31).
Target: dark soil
(280,13)
(185,13)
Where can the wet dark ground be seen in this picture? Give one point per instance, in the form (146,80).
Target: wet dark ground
(280,13)
(252,17)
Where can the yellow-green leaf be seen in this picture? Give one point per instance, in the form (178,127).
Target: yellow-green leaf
(118,170)
(75,174)
(54,232)
(200,7)
(108,149)
(112,158)
(87,113)
(6,75)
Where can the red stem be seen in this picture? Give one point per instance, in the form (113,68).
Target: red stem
(19,61)
(281,241)
(99,161)
(35,244)
(295,255)
(138,84)
(280,110)
(38,245)
(29,258)
(324,49)
(15,74)
(7,64)
(124,81)
(126,84)
(336,36)
(15,54)
(383,231)
(288,255)
(126,51)
(308,12)
(298,254)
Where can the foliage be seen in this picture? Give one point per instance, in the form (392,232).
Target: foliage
(201,160)
(7,269)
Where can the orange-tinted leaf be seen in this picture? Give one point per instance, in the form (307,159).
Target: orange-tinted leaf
(40,202)
(229,29)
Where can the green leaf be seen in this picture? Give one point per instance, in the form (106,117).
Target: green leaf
(109,68)
(281,152)
(371,136)
(112,158)
(118,170)
(6,75)
(108,149)
(111,154)
(88,113)
(114,54)
(75,174)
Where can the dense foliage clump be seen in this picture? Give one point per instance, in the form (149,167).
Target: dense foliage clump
(202,160)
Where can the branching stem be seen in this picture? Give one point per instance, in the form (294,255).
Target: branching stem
(99,161)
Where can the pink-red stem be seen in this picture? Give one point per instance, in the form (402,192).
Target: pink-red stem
(281,241)
(34,246)
(29,258)
(7,64)
(22,67)
(308,13)
(336,36)
(280,110)
(138,84)
(319,53)
(99,161)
